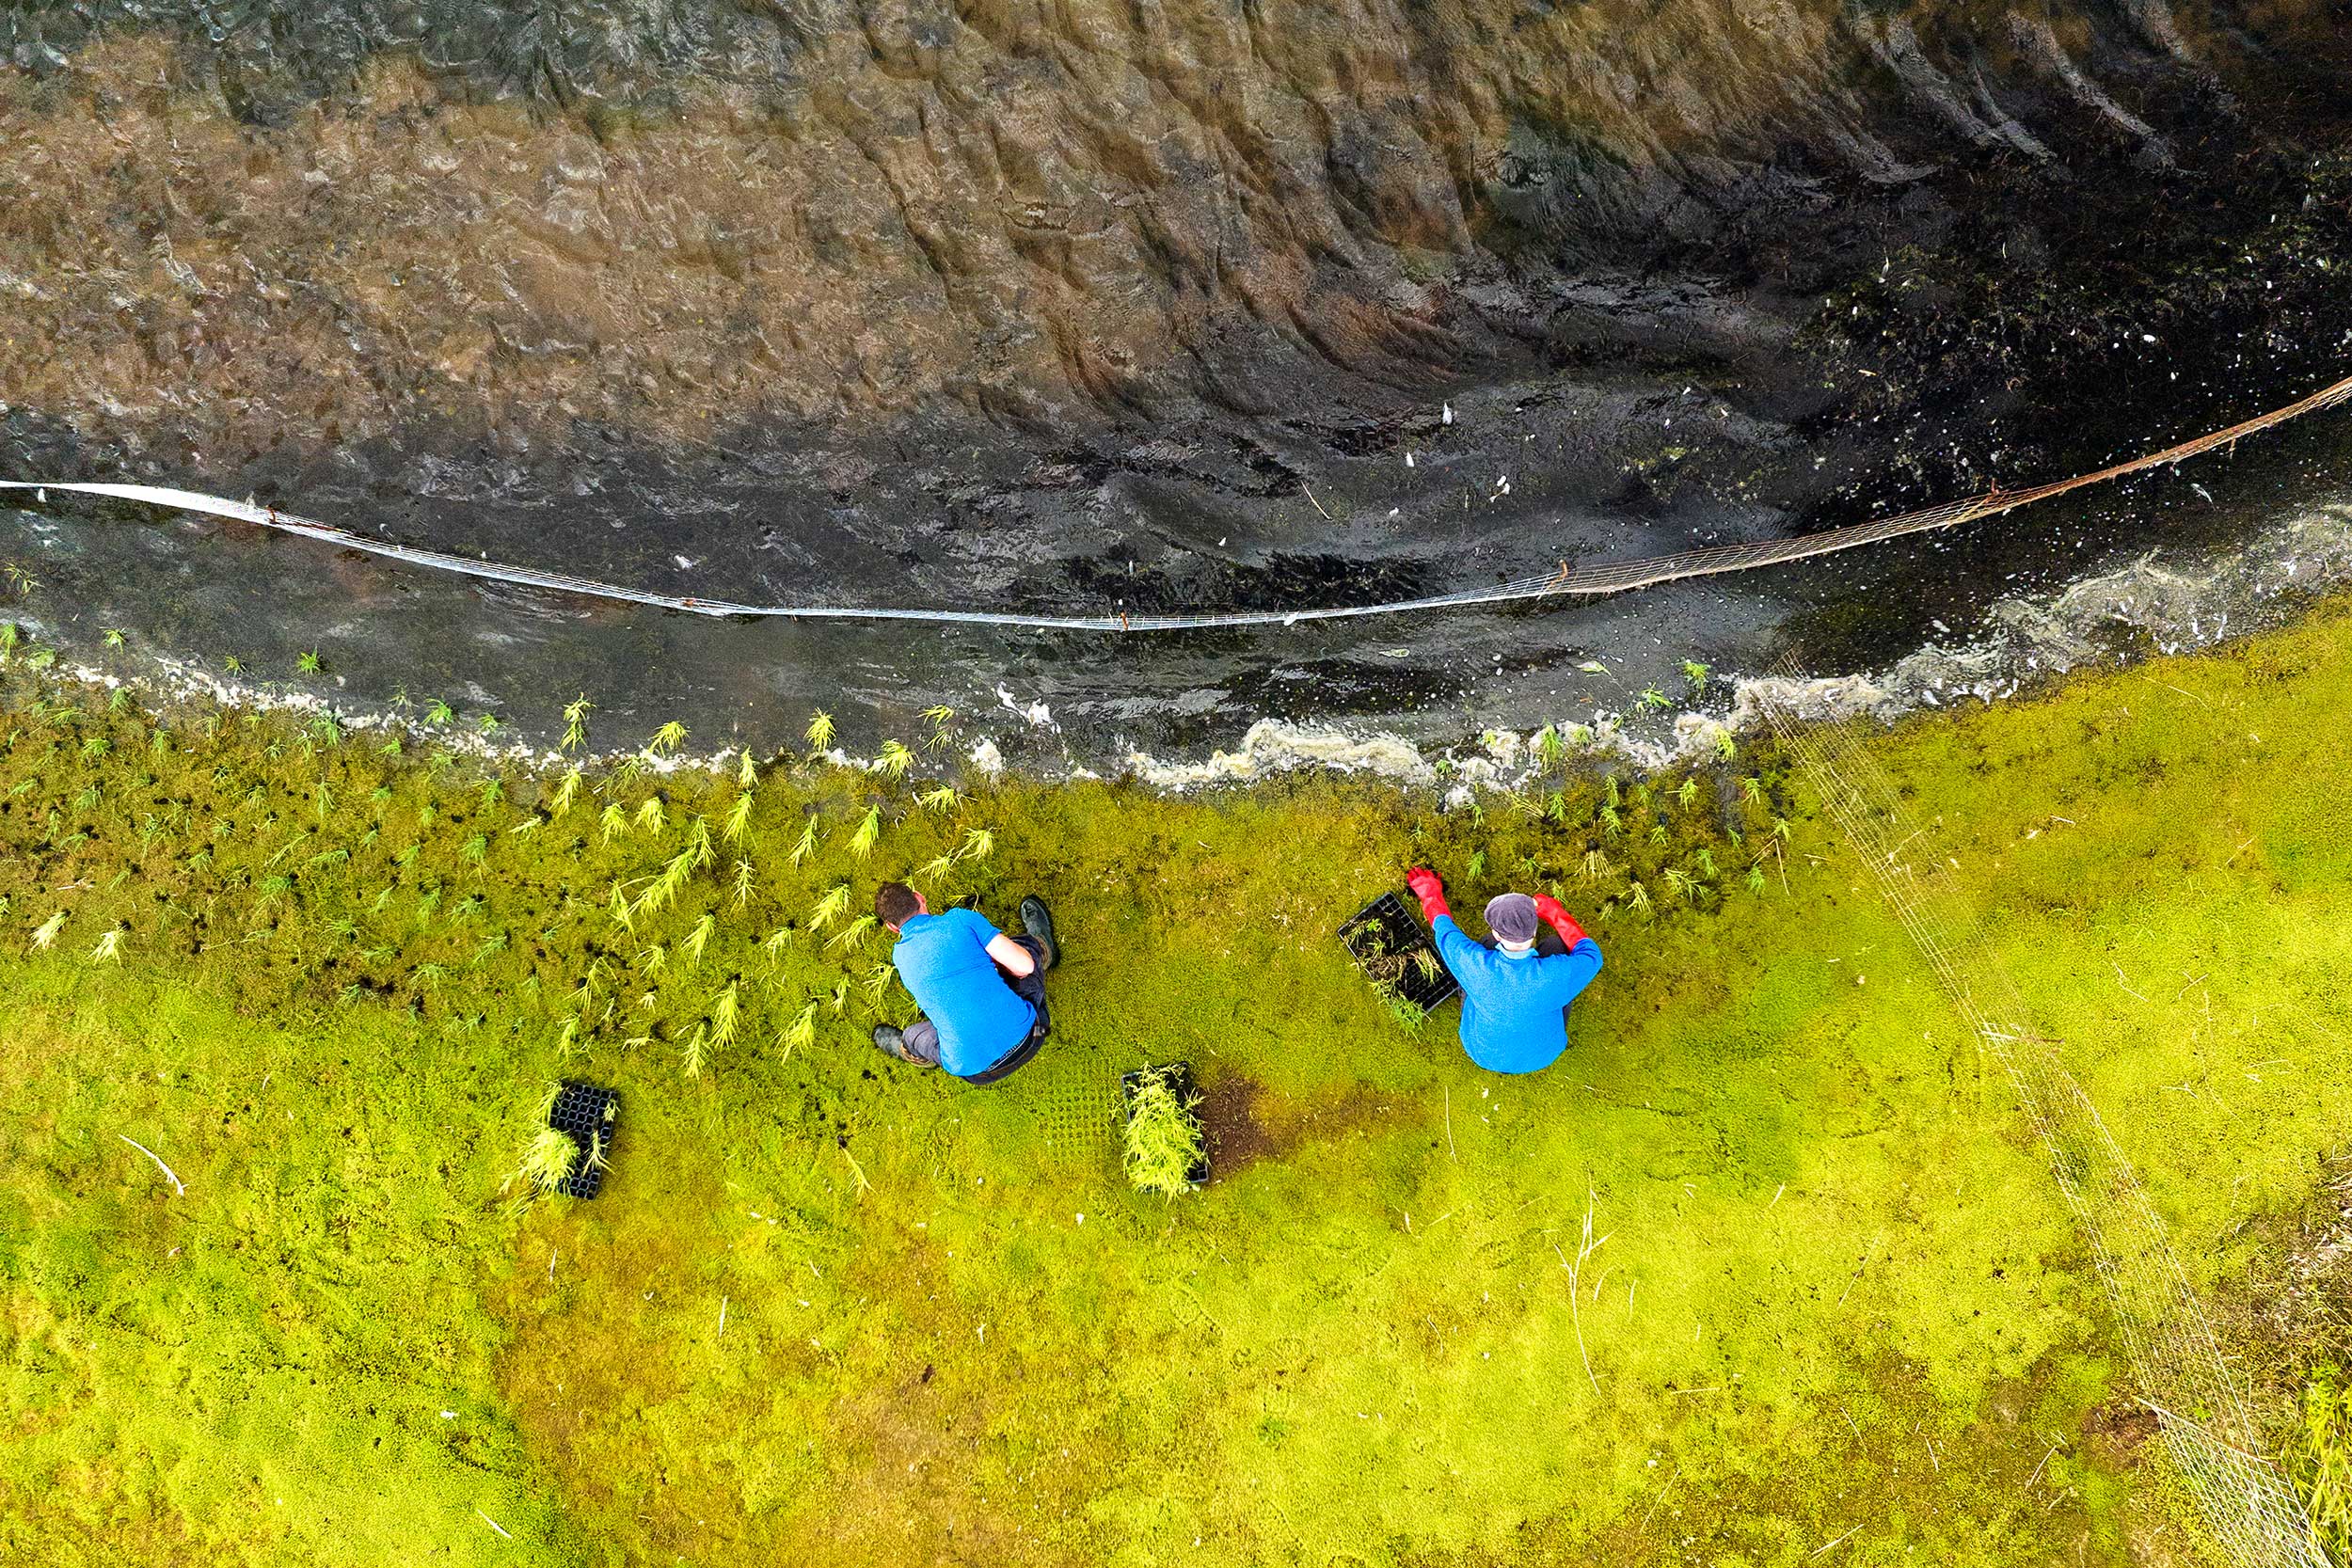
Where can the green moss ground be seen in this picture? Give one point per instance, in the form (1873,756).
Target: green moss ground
(829,1311)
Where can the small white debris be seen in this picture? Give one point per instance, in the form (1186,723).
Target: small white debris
(1449,413)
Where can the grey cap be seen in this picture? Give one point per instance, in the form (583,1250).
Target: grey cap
(1511,916)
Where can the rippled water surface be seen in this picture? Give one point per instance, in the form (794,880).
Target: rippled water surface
(1086,309)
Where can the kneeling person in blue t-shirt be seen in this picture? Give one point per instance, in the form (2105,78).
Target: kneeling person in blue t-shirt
(1515,992)
(982,993)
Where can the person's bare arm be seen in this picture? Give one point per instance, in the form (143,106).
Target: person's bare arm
(1010,956)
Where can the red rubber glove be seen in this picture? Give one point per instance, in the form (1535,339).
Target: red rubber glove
(1548,910)
(1430,889)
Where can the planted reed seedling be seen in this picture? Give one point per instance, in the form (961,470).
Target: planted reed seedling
(489,723)
(739,819)
(979,844)
(777,941)
(1694,674)
(699,938)
(667,740)
(819,730)
(745,883)
(567,791)
(933,869)
(696,1044)
(438,712)
(1726,747)
(1653,698)
(746,770)
(808,843)
(1688,795)
(828,908)
(800,1033)
(613,823)
(576,722)
(649,815)
(868,830)
(308,664)
(852,935)
(724,1011)
(942,799)
(109,948)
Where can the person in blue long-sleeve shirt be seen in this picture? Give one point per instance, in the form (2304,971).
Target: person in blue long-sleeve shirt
(1514,993)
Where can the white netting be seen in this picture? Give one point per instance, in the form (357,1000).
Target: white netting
(2174,1360)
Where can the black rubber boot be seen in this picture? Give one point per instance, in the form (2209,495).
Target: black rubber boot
(891,1042)
(1037,921)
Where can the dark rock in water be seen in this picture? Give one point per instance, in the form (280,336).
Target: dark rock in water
(1091,307)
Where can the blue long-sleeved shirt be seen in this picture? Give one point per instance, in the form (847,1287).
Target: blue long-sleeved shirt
(1515,1005)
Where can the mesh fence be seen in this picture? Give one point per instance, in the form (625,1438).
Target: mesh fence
(2174,1358)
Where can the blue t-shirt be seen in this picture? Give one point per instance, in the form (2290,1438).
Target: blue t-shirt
(1514,1005)
(944,961)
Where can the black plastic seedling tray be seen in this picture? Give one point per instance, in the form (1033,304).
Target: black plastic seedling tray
(587,1114)
(1388,940)
(1180,1084)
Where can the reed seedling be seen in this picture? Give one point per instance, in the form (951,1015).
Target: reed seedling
(308,664)
(567,791)
(942,799)
(745,883)
(852,935)
(1653,698)
(698,842)
(895,759)
(746,770)
(667,740)
(979,844)
(808,843)
(828,908)
(839,1001)
(438,712)
(1725,748)
(693,1050)
(547,1160)
(613,823)
(1688,795)
(489,723)
(649,815)
(777,941)
(699,938)
(819,732)
(576,722)
(618,907)
(1638,895)
(868,830)
(724,1011)
(739,819)
(1694,674)
(800,1033)
(1164,1140)
(933,869)
(109,948)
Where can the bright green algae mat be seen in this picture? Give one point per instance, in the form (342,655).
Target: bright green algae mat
(831,1311)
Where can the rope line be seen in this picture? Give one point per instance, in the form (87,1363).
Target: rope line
(1564,581)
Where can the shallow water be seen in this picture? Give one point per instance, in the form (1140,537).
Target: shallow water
(188,591)
(1089,310)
